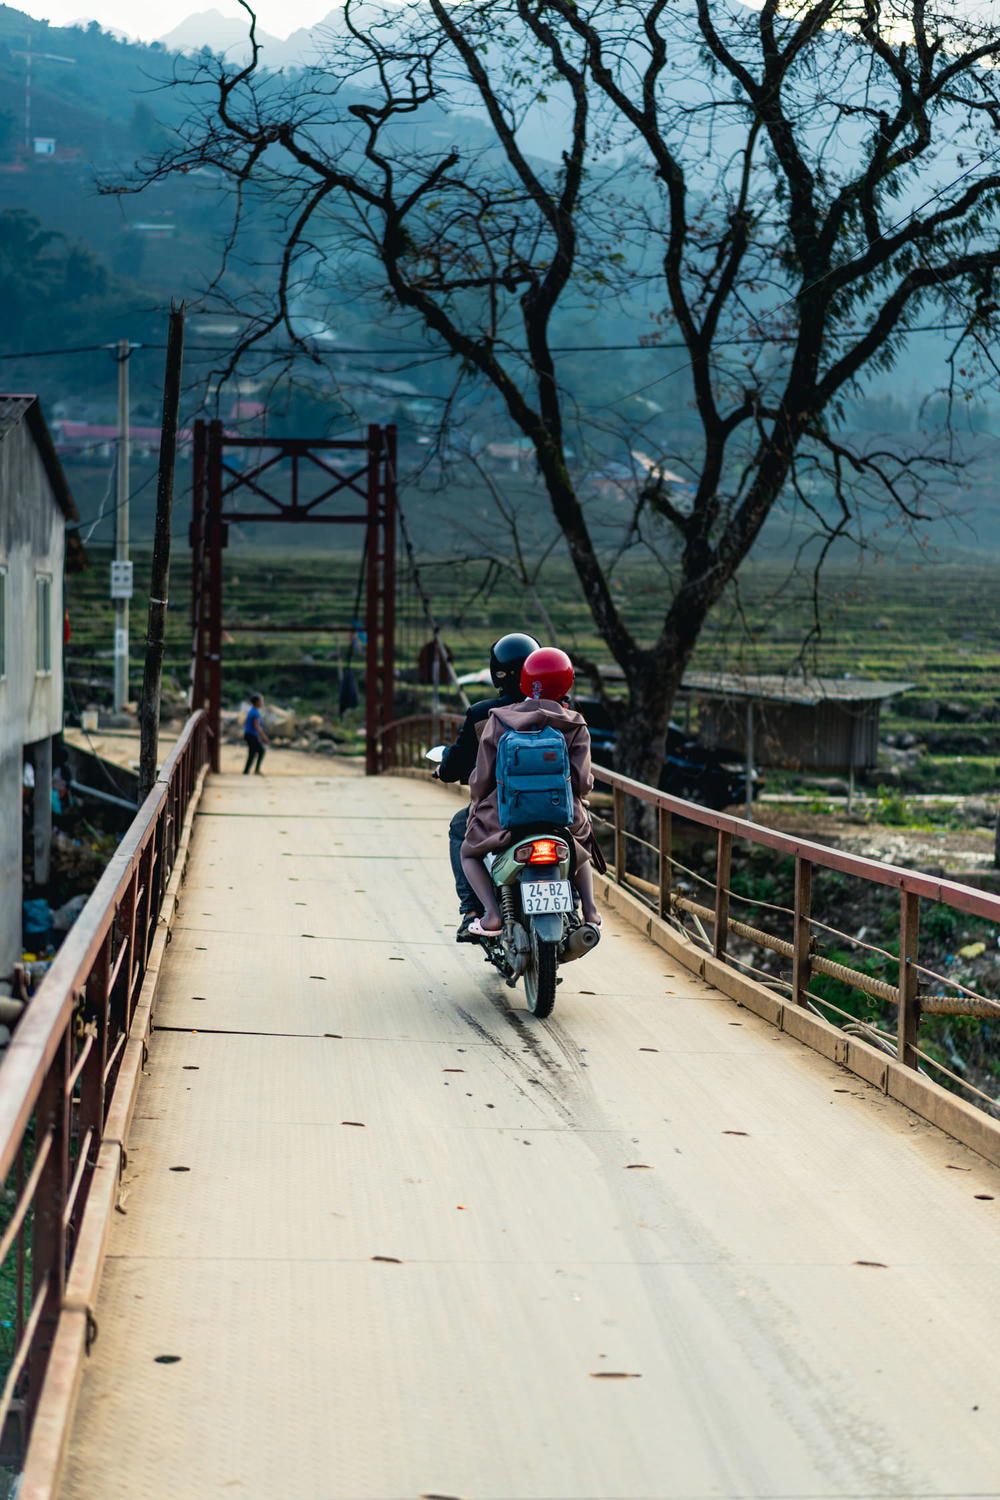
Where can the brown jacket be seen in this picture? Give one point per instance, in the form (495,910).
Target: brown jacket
(484,833)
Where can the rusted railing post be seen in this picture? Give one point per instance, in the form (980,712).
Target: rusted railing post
(618,815)
(48,1235)
(131,964)
(143,896)
(96,1013)
(665,843)
(723,871)
(908,1020)
(802,935)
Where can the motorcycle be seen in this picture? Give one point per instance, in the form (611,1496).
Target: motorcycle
(542,927)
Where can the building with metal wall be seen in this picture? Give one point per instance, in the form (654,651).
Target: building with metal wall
(793,723)
(35,506)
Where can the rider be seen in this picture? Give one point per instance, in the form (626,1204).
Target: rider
(507,657)
(546,679)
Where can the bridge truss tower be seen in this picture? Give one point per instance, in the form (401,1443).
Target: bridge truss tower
(238,479)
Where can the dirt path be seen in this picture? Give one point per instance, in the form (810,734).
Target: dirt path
(963,853)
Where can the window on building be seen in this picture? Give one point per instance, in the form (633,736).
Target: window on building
(43,622)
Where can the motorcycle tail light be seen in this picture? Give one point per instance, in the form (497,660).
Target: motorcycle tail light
(541,852)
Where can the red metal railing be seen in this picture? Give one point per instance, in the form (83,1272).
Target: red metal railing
(642,841)
(403,742)
(638,827)
(58,1074)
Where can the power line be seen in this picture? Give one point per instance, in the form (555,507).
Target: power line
(45,353)
(643,348)
(94,521)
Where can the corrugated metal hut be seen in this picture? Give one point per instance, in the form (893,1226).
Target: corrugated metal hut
(793,723)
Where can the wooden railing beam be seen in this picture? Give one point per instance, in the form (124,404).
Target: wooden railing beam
(723,876)
(802,939)
(908,1018)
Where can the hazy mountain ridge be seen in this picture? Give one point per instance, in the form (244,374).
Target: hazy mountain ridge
(226,34)
(102,99)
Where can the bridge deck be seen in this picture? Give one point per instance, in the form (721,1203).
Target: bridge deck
(384,1236)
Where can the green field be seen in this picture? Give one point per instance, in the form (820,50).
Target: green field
(936,626)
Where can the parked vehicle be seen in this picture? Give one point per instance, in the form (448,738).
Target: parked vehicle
(714,778)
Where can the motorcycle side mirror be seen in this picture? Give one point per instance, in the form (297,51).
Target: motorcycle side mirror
(435,754)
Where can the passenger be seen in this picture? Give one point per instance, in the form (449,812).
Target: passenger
(546,679)
(507,657)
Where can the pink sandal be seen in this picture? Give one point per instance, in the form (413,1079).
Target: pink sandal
(486,932)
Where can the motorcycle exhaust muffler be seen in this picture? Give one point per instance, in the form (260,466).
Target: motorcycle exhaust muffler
(580,941)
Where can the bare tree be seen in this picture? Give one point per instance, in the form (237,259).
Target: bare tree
(787,194)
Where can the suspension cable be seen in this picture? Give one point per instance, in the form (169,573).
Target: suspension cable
(429,615)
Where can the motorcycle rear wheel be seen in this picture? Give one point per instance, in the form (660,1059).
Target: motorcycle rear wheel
(540,976)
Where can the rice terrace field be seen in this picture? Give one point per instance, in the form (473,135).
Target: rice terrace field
(936,625)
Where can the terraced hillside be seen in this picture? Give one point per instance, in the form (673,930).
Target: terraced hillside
(937,626)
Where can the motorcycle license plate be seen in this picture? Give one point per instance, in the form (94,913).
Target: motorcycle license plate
(543,896)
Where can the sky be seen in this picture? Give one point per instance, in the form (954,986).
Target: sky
(154,18)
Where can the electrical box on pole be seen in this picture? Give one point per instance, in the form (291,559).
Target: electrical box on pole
(121,580)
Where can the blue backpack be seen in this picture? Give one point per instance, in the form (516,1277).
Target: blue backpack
(532,773)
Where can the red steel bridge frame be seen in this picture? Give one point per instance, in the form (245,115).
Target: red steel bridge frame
(223,493)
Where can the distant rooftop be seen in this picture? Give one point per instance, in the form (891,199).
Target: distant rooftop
(775,688)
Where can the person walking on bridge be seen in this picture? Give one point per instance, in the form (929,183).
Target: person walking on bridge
(507,657)
(253,734)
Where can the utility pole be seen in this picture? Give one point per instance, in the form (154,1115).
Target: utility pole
(121,568)
(29,55)
(149,703)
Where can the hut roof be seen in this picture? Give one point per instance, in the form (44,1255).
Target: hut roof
(806,691)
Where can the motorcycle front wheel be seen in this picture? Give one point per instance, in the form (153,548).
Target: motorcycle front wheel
(540,976)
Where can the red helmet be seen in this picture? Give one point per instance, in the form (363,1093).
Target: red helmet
(547,673)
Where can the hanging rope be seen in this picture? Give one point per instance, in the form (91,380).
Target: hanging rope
(407,616)
(429,616)
(349,695)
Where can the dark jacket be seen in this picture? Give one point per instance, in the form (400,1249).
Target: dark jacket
(460,758)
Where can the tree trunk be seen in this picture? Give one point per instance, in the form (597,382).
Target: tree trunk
(639,749)
(642,734)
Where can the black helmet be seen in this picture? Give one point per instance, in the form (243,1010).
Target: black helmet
(507,656)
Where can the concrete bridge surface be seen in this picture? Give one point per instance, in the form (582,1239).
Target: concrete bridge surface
(383,1235)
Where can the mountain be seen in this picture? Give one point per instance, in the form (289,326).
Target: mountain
(228,35)
(80,268)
